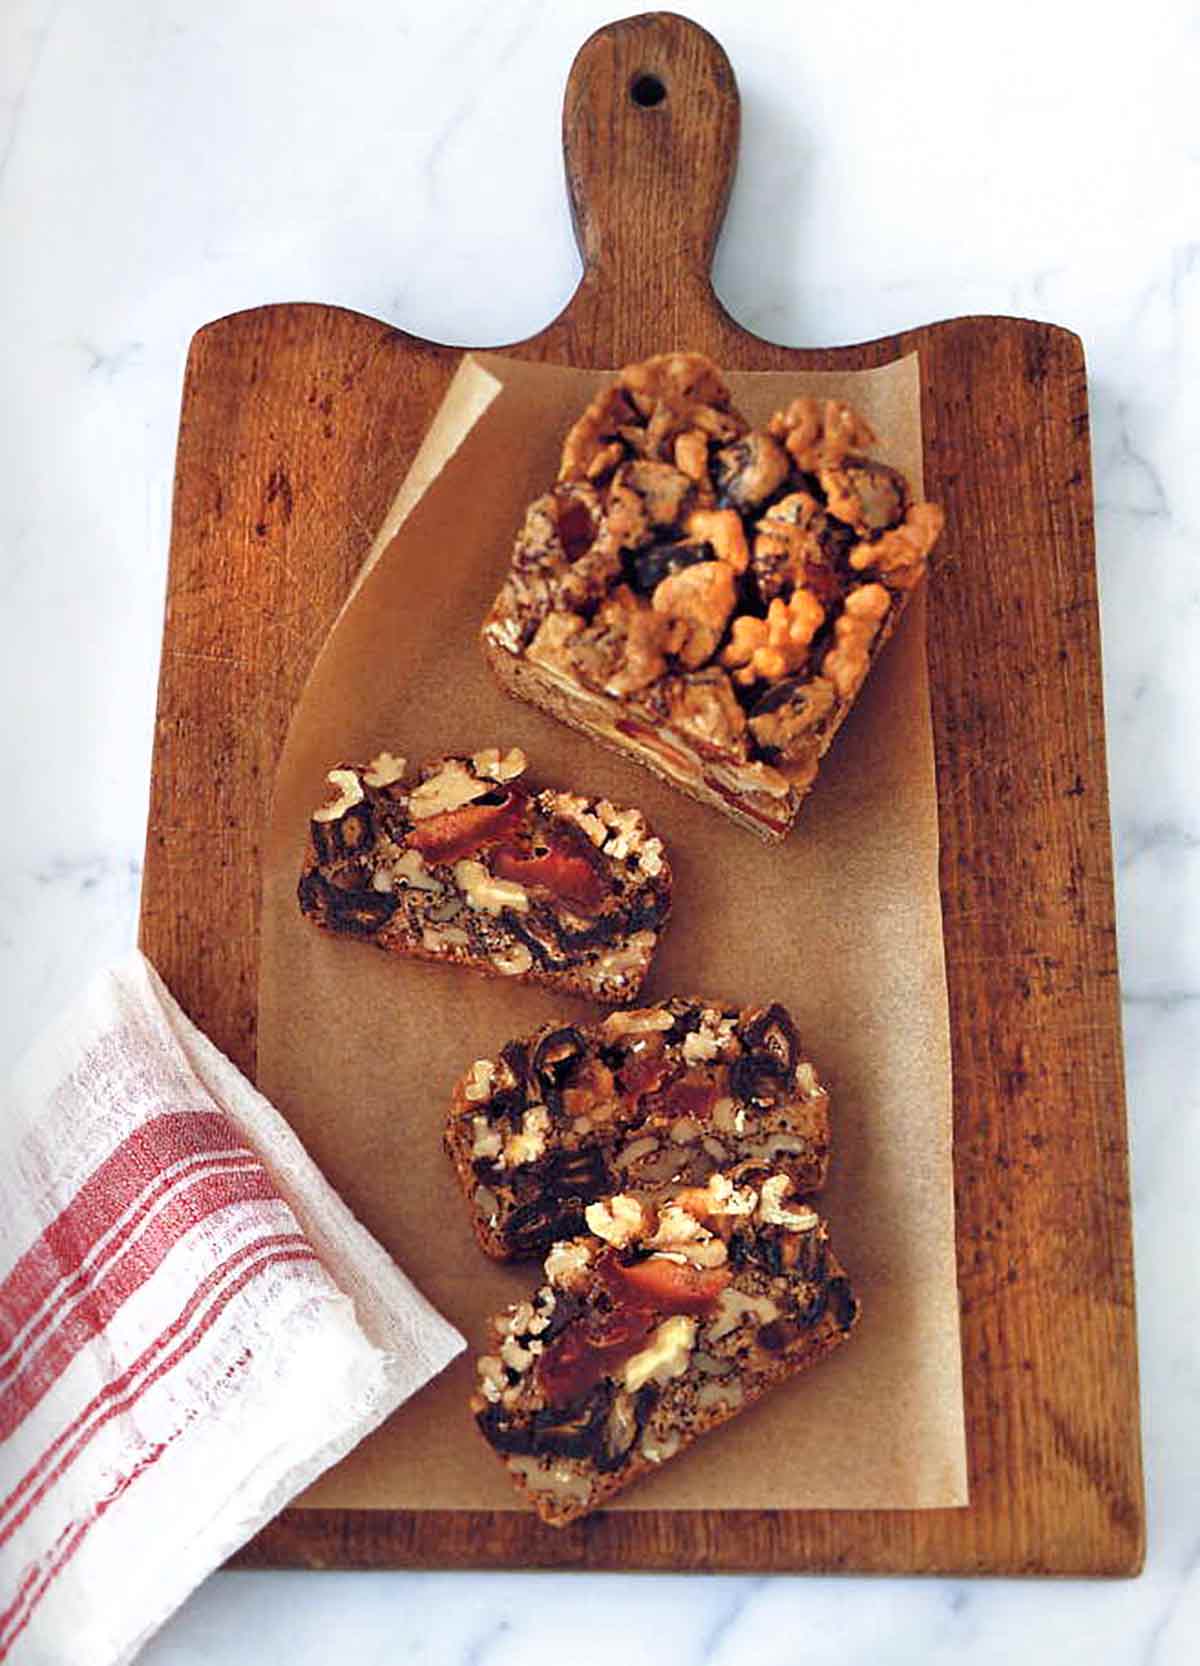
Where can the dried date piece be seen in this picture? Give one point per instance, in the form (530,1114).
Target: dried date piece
(660,1321)
(650,1099)
(465,861)
(685,566)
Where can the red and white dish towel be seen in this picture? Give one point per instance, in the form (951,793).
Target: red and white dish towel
(192,1324)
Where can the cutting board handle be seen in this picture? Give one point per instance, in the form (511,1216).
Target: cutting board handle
(650,136)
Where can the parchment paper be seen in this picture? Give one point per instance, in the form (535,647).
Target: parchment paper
(842,923)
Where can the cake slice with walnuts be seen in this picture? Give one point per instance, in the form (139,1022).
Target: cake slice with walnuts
(646,1101)
(707,596)
(466,861)
(661,1323)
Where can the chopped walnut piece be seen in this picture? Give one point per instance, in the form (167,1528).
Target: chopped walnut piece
(868,496)
(568,1263)
(593,435)
(487,894)
(797,543)
(551,644)
(529,1144)
(449,789)
(704,708)
(621,651)
(788,714)
(646,411)
(479,1080)
(691,455)
(657,491)
(777,645)
(818,433)
(771,1206)
(749,470)
(514,962)
(698,601)
(674,377)
(723,530)
(497,768)
(605,459)
(899,555)
(636,642)
(349,793)
(384,770)
(618,1221)
(846,663)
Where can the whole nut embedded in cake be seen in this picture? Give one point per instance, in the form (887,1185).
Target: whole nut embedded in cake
(465,861)
(685,563)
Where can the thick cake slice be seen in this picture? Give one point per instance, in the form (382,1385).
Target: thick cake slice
(662,1324)
(644,1102)
(706,596)
(465,861)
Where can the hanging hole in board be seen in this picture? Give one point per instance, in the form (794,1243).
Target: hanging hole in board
(647,91)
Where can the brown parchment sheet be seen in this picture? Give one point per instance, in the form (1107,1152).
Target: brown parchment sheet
(842,923)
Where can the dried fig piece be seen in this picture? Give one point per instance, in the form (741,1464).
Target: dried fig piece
(649,567)
(576,519)
(685,1022)
(567,873)
(757,1076)
(842,1302)
(592,1348)
(359,912)
(866,495)
(573,1431)
(664,1286)
(505,1433)
(553,1060)
(579,1175)
(312,892)
(535,1224)
(352,834)
(813,1310)
(566,1310)
(811,1257)
(777,1334)
(748,471)
(455,834)
(773,1032)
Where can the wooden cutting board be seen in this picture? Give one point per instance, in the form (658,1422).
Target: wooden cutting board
(298,423)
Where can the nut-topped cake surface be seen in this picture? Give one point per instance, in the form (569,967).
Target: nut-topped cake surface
(707,596)
(666,1320)
(466,861)
(650,1099)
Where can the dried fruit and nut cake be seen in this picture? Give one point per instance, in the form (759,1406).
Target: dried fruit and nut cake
(464,861)
(707,596)
(662,1324)
(649,1099)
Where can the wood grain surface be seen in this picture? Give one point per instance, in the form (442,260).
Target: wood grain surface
(298,422)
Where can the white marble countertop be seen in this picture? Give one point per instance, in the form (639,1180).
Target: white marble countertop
(162,164)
